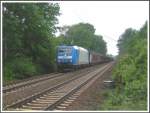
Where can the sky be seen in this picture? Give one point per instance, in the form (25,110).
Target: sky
(109,18)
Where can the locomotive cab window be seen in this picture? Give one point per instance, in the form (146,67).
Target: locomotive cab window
(64,51)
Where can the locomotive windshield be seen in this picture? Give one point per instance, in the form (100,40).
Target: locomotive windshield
(64,51)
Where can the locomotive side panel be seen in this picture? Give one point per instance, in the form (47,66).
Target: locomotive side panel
(75,56)
(83,56)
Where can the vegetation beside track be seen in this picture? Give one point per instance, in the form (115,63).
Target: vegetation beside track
(130,73)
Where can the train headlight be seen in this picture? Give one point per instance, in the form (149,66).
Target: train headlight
(70,60)
(59,60)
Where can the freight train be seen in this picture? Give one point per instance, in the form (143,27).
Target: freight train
(74,57)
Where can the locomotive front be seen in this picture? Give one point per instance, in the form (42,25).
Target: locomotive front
(64,55)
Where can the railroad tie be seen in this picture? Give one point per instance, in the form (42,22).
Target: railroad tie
(34,107)
(37,104)
(67,102)
(64,104)
(72,98)
(61,107)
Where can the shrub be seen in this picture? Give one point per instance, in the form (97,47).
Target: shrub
(20,67)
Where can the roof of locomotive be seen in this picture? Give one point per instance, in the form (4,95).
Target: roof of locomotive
(73,46)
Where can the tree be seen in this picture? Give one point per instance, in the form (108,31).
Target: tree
(82,34)
(125,40)
(98,45)
(28,31)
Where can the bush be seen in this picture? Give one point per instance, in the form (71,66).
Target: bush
(8,73)
(130,74)
(18,68)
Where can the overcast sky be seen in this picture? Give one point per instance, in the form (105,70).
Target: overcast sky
(109,18)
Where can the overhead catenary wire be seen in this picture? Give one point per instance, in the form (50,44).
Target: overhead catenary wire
(110,38)
(106,36)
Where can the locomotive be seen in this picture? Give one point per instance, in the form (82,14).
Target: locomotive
(74,57)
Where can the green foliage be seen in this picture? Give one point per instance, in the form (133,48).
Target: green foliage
(28,32)
(9,74)
(125,40)
(121,102)
(98,45)
(130,73)
(82,34)
(21,67)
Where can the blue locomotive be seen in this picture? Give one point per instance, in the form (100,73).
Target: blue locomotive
(72,56)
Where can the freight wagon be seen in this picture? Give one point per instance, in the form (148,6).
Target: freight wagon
(95,58)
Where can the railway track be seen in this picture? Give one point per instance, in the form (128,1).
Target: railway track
(63,106)
(16,86)
(54,97)
(18,94)
(13,87)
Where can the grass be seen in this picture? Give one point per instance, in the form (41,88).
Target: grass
(115,101)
